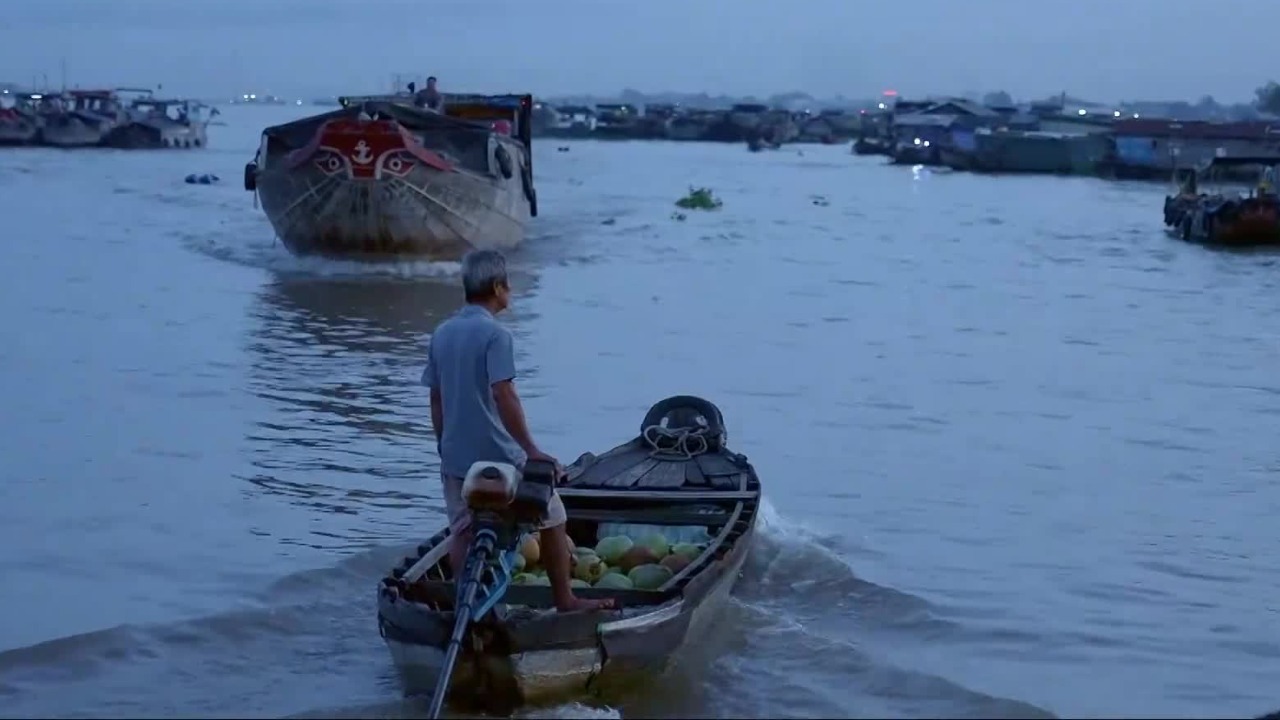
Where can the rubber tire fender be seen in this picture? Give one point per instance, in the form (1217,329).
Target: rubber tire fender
(251,176)
(502,157)
(664,409)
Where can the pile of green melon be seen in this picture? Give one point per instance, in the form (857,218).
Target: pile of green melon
(615,562)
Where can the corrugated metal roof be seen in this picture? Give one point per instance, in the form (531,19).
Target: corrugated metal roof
(1197,129)
(920,120)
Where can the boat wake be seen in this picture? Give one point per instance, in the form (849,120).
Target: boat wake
(801,633)
(253,245)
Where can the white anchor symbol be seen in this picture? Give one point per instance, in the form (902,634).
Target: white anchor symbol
(362,154)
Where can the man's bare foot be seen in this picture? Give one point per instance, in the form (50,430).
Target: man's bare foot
(578,604)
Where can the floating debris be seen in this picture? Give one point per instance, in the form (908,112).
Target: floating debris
(699,199)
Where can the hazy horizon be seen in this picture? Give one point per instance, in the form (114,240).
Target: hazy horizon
(1104,51)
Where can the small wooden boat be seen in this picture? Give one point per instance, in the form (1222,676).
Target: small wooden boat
(1226,218)
(380,177)
(871,146)
(88,117)
(20,118)
(163,123)
(676,478)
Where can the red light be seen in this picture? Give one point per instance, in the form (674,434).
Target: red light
(890,93)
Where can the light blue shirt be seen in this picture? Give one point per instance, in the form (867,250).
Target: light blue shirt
(468,353)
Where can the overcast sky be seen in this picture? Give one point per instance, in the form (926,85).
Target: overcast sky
(1104,49)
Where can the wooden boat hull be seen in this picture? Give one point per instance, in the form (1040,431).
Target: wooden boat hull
(152,135)
(1247,222)
(525,652)
(626,648)
(76,130)
(18,128)
(411,184)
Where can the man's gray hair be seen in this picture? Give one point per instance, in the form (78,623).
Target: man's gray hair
(481,270)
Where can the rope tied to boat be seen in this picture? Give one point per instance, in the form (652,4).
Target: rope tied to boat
(676,443)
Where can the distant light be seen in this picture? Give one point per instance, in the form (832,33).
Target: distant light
(33,97)
(1117,113)
(299,102)
(1082,111)
(890,93)
(881,106)
(1135,115)
(926,143)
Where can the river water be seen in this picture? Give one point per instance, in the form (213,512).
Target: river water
(1018,446)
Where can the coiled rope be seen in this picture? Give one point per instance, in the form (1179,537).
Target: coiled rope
(676,443)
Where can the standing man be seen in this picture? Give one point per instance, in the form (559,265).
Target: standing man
(477,416)
(429,97)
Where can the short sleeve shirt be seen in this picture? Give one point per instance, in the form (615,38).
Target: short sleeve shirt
(468,353)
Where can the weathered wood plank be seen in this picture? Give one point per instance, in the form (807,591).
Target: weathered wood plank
(602,471)
(580,466)
(539,596)
(693,476)
(725,482)
(588,460)
(658,495)
(678,515)
(717,464)
(632,475)
(667,474)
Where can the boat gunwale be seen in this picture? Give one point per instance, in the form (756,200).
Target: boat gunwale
(547,630)
(689,586)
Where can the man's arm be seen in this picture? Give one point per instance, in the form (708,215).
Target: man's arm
(512,414)
(437,414)
(431,378)
(500,362)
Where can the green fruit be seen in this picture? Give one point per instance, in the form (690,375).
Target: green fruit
(519,563)
(588,567)
(688,551)
(657,543)
(579,583)
(524,579)
(649,577)
(612,548)
(614,581)
(614,570)
(540,580)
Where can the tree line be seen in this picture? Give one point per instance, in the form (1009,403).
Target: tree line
(1268,98)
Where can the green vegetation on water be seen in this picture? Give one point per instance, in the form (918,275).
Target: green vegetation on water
(699,199)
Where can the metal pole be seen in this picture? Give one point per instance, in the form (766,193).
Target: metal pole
(465,606)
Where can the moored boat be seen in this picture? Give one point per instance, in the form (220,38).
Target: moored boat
(86,117)
(676,479)
(1226,218)
(162,123)
(865,145)
(21,117)
(380,177)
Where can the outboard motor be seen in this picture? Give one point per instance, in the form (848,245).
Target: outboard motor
(504,503)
